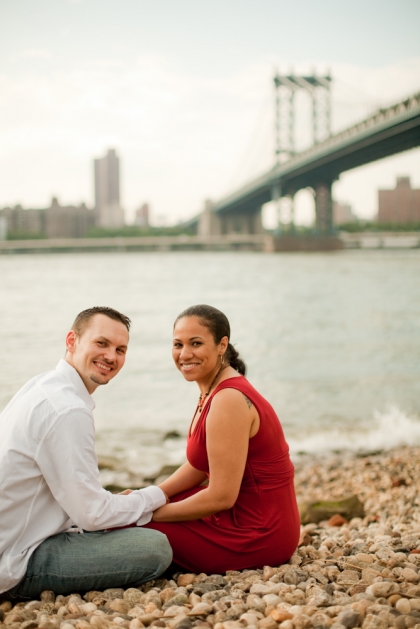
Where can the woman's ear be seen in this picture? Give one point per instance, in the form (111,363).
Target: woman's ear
(223,345)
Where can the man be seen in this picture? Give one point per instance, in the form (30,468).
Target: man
(53,509)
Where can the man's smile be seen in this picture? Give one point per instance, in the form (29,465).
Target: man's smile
(102,366)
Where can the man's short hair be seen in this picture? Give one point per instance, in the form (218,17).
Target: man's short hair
(81,321)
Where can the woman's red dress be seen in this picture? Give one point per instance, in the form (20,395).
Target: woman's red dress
(262,527)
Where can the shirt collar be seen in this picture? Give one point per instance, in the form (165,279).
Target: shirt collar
(71,374)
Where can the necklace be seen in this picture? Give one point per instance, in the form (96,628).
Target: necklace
(202,398)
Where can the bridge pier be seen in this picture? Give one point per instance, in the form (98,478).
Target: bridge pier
(209,221)
(244,223)
(323,208)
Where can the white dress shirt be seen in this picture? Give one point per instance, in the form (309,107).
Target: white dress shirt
(49,479)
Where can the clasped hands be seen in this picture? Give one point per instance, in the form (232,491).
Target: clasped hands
(129,491)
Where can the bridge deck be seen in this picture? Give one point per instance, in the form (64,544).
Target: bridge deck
(386,132)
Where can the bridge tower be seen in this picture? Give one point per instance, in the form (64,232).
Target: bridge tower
(319,88)
(286,86)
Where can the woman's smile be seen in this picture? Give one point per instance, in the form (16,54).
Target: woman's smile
(189,366)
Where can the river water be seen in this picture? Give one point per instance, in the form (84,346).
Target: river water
(331,339)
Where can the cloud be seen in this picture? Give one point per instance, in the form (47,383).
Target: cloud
(36,53)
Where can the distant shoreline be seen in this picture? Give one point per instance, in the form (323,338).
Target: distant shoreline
(233,242)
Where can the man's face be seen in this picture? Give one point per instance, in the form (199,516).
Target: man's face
(99,353)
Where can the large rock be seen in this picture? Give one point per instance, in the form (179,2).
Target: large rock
(374,622)
(166,471)
(349,507)
(108,463)
(382,589)
(133,596)
(349,618)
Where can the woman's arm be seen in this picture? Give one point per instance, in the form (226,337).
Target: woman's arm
(184,478)
(228,428)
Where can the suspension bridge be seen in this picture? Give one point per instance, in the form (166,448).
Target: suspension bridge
(387,131)
(235,221)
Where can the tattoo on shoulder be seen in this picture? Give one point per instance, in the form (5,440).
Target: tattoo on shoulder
(247,401)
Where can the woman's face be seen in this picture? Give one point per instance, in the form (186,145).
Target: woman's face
(194,351)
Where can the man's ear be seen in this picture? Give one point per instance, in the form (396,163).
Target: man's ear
(71,341)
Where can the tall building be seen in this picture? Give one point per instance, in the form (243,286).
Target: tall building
(343,213)
(401,205)
(108,210)
(3,227)
(142,216)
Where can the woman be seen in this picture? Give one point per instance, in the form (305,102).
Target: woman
(246,517)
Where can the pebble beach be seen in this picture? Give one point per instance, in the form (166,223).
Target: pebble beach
(348,572)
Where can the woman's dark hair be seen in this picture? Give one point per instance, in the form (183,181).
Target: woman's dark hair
(218,324)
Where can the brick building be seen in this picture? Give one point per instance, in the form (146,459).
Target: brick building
(56,221)
(401,205)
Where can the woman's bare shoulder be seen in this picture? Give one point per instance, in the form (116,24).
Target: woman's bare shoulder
(229,399)
(227,393)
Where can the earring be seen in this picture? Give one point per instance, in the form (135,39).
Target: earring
(222,364)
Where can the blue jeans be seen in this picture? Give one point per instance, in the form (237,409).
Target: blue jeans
(72,562)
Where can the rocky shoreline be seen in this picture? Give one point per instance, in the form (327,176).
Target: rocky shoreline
(358,573)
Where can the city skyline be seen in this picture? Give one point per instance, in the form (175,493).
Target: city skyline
(185,94)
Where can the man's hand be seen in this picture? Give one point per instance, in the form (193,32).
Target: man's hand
(129,491)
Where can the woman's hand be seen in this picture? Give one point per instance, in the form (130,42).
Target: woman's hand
(158,514)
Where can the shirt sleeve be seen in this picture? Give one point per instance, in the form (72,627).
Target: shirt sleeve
(155,495)
(68,462)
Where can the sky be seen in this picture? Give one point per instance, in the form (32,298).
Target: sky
(183,90)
